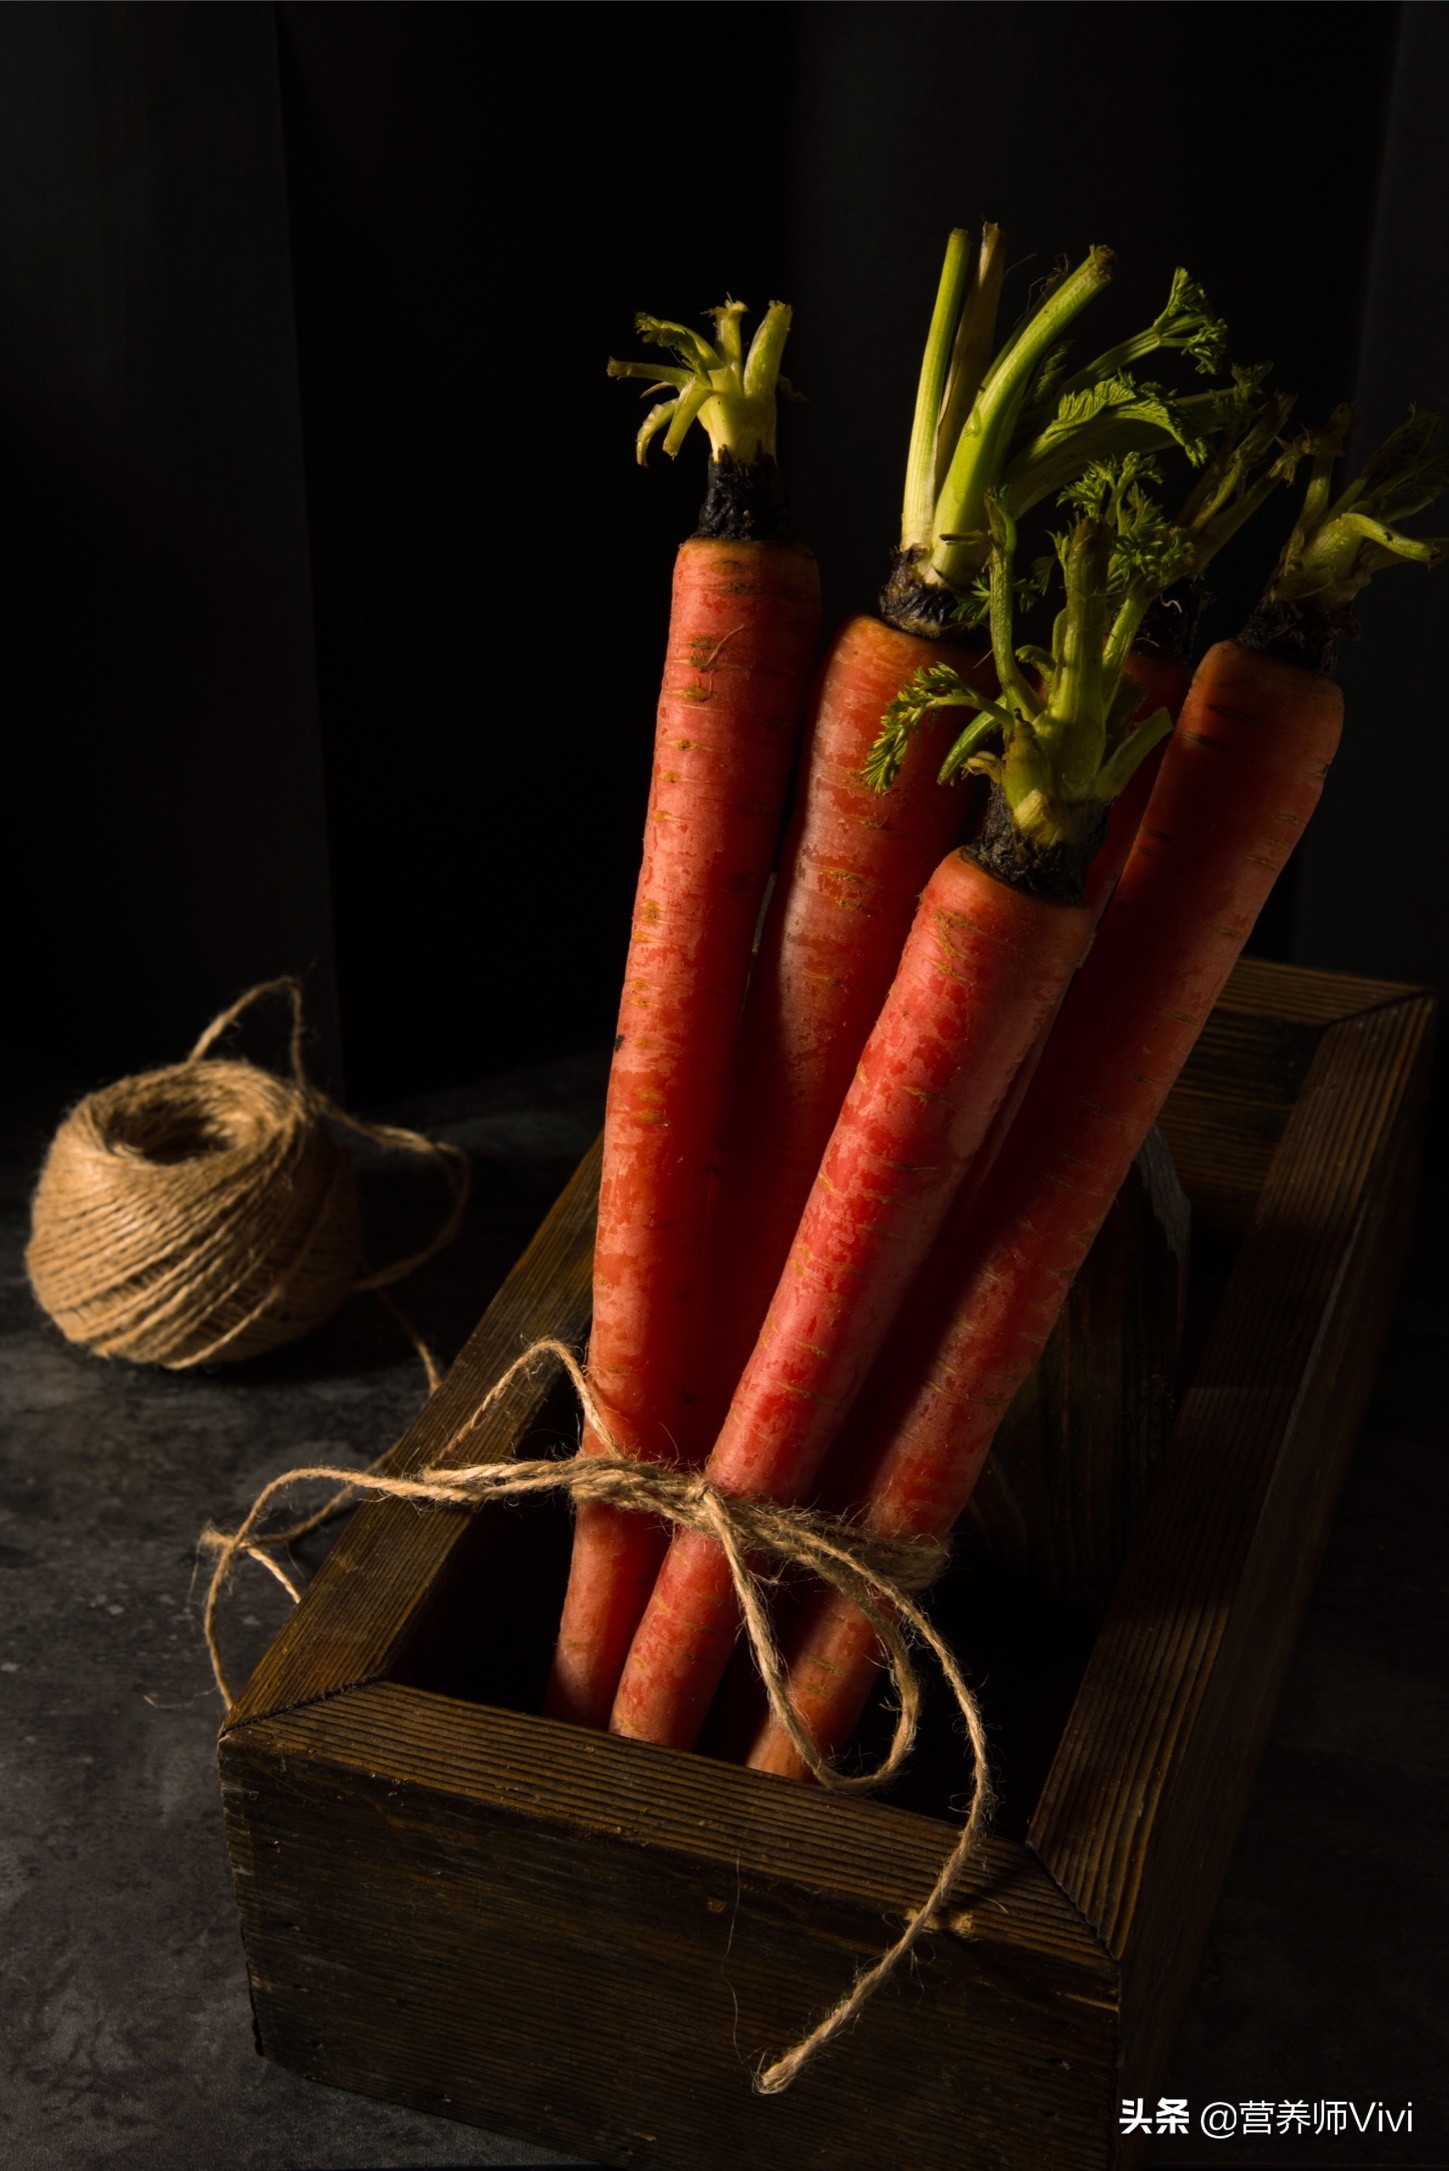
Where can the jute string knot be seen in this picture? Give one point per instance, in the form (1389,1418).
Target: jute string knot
(206,1212)
(876,1574)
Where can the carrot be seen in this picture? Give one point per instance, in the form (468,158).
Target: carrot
(1238,781)
(994,943)
(852,870)
(742,638)
(851,875)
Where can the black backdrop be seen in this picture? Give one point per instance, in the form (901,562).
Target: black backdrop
(335,604)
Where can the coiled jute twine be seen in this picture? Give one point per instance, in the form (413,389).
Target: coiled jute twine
(876,1574)
(205,1213)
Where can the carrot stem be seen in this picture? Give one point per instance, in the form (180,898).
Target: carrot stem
(971,355)
(978,456)
(1336,548)
(1011,425)
(919,504)
(730,394)
(1187,323)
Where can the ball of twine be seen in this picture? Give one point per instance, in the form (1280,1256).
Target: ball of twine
(205,1213)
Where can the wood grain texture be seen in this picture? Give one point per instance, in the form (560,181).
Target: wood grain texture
(592,1943)
(1139,1811)
(1226,1117)
(1301,995)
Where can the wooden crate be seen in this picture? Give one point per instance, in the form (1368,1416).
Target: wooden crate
(590,1943)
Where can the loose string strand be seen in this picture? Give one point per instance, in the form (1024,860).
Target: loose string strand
(876,1574)
(456,1168)
(288,985)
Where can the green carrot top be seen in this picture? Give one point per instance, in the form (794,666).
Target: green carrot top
(731,393)
(1339,543)
(1018,422)
(1058,740)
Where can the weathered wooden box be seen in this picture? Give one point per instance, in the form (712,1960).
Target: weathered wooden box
(590,1943)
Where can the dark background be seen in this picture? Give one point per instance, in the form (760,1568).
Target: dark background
(334,601)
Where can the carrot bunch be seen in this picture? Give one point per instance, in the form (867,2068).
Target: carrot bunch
(717,1119)
(988,417)
(846,1186)
(1241,776)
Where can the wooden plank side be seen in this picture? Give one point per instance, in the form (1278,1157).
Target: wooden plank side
(1201,1625)
(1215,1777)
(593,1943)
(606,1788)
(362,1601)
(1225,1117)
(1300,994)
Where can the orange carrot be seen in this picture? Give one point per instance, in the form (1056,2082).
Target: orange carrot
(851,875)
(742,640)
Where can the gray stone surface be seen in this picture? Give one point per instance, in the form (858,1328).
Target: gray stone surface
(125,2036)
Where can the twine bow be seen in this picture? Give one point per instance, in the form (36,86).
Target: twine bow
(876,1574)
